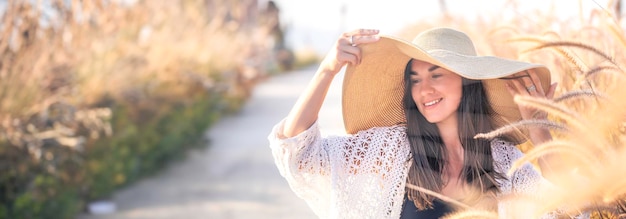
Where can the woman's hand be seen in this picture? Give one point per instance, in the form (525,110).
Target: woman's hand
(304,112)
(345,50)
(529,84)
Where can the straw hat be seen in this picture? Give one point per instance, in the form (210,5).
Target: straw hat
(373,90)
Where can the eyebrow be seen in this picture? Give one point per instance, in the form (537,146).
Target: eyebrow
(432,68)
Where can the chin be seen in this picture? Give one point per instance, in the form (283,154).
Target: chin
(433,120)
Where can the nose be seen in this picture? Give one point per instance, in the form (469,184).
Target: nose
(426,88)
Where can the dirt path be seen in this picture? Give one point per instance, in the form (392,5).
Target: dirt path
(235,176)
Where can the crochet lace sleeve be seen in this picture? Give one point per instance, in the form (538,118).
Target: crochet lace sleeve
(526,180)
(302,161)
(341,175)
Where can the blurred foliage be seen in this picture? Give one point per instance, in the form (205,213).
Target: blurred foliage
(97,94)
(145,148)
(585,56)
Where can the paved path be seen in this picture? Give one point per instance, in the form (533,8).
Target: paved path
(235,176)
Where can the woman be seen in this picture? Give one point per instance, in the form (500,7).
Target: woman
(411,111)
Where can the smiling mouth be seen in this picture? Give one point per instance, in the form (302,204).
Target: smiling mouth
(433,102)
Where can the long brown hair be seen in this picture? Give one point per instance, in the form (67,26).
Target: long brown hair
(429,152)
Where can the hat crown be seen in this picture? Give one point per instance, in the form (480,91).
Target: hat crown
(445,39)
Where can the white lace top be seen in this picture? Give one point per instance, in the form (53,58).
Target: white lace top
(364,175)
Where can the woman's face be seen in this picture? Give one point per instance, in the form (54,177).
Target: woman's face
(436,91)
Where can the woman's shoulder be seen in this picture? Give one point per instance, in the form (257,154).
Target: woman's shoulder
(504,151)
(501,143)
(399,130)
(395,133)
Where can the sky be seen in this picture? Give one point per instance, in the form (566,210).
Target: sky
(316,24)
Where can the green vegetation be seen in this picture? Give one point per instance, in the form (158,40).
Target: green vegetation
(95,95)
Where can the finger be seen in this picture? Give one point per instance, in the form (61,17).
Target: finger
(528,82)
(351,50)
(345,41)
(519,87)
(349,54)
(509,87)
(536,81)
(551,91)
(356,40)
(347,58)
(361,36)
(361,32)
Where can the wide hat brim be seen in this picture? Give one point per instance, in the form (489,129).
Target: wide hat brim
(373,90)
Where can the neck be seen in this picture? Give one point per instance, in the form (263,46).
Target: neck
(452,179)
(449,131)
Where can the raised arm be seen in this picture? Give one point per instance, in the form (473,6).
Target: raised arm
(538,135)
(304,113)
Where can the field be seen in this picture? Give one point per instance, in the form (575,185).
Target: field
(95,95)
(587,116)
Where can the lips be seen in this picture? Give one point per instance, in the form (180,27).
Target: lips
(433,102)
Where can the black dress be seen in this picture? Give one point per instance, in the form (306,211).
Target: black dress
(409,211)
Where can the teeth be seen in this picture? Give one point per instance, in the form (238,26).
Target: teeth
(432,102)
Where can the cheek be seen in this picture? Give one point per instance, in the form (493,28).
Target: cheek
(415,95)
(457,94)
(457,99)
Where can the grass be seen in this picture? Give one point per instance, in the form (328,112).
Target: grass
(95,94)
(587,116)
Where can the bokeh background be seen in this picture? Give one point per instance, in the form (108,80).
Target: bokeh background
(105,102)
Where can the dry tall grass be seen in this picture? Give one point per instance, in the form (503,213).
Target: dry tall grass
(69,69)
(588,115)
(145,54)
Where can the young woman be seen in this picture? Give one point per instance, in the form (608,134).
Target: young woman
(411,111)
